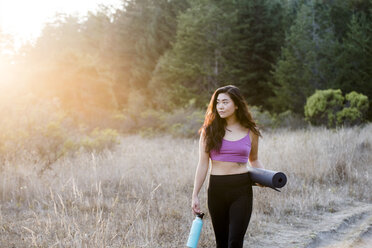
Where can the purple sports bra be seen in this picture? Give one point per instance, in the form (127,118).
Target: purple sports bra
(233,151)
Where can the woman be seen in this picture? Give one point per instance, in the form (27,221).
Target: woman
(229,137)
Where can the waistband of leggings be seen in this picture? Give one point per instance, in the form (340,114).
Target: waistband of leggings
(230,180)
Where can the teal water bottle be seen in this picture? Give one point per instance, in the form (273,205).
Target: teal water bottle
(195,231)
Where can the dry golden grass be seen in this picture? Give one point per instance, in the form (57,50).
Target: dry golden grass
(138,195)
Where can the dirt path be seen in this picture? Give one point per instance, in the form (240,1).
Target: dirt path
(347,229)
(350,227)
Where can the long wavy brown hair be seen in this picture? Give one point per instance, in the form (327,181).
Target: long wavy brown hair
(214,126)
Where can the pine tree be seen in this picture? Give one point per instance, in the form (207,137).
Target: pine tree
(144,31)
(219,43)
(355,60)
(259,37)
(196,64)
(306,63)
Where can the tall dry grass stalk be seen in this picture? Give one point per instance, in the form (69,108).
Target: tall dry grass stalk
(138,195)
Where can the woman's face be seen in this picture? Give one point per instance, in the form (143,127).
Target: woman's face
(225,105)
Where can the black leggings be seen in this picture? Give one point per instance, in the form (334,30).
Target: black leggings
(230,207)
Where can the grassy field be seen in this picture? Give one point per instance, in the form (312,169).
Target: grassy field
(139,194)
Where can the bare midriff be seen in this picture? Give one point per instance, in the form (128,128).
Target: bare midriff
(228,168)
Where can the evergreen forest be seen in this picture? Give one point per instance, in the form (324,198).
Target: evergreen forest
(167,55)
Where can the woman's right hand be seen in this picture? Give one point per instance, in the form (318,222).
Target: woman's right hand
(195,205)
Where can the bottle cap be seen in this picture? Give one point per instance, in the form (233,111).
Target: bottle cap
(200,215)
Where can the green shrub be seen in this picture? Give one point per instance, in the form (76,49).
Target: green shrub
(69,146)
(151,119)
(263,118)
(49,142)
(181,122)
(286,119)
(184,122)
(330,108)
(148,132)
(322,106)
(39,132)
(100,140)
(358,101)
(348,117)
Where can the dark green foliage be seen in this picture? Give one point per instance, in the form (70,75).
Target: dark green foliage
(328,46)
(219,43)
(259,36)
(330,108)
(144,30)
(354,63)
(306,63)
(196,64)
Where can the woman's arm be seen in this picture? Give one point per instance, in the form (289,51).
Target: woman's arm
(253,156)
(201,172)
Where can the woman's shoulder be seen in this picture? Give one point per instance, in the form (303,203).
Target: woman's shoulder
(202,132)
(252,135)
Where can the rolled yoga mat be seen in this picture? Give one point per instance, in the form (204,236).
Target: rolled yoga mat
(272,179)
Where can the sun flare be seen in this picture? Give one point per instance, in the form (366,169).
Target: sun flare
(25,19)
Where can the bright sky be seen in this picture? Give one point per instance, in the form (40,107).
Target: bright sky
(24,19)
